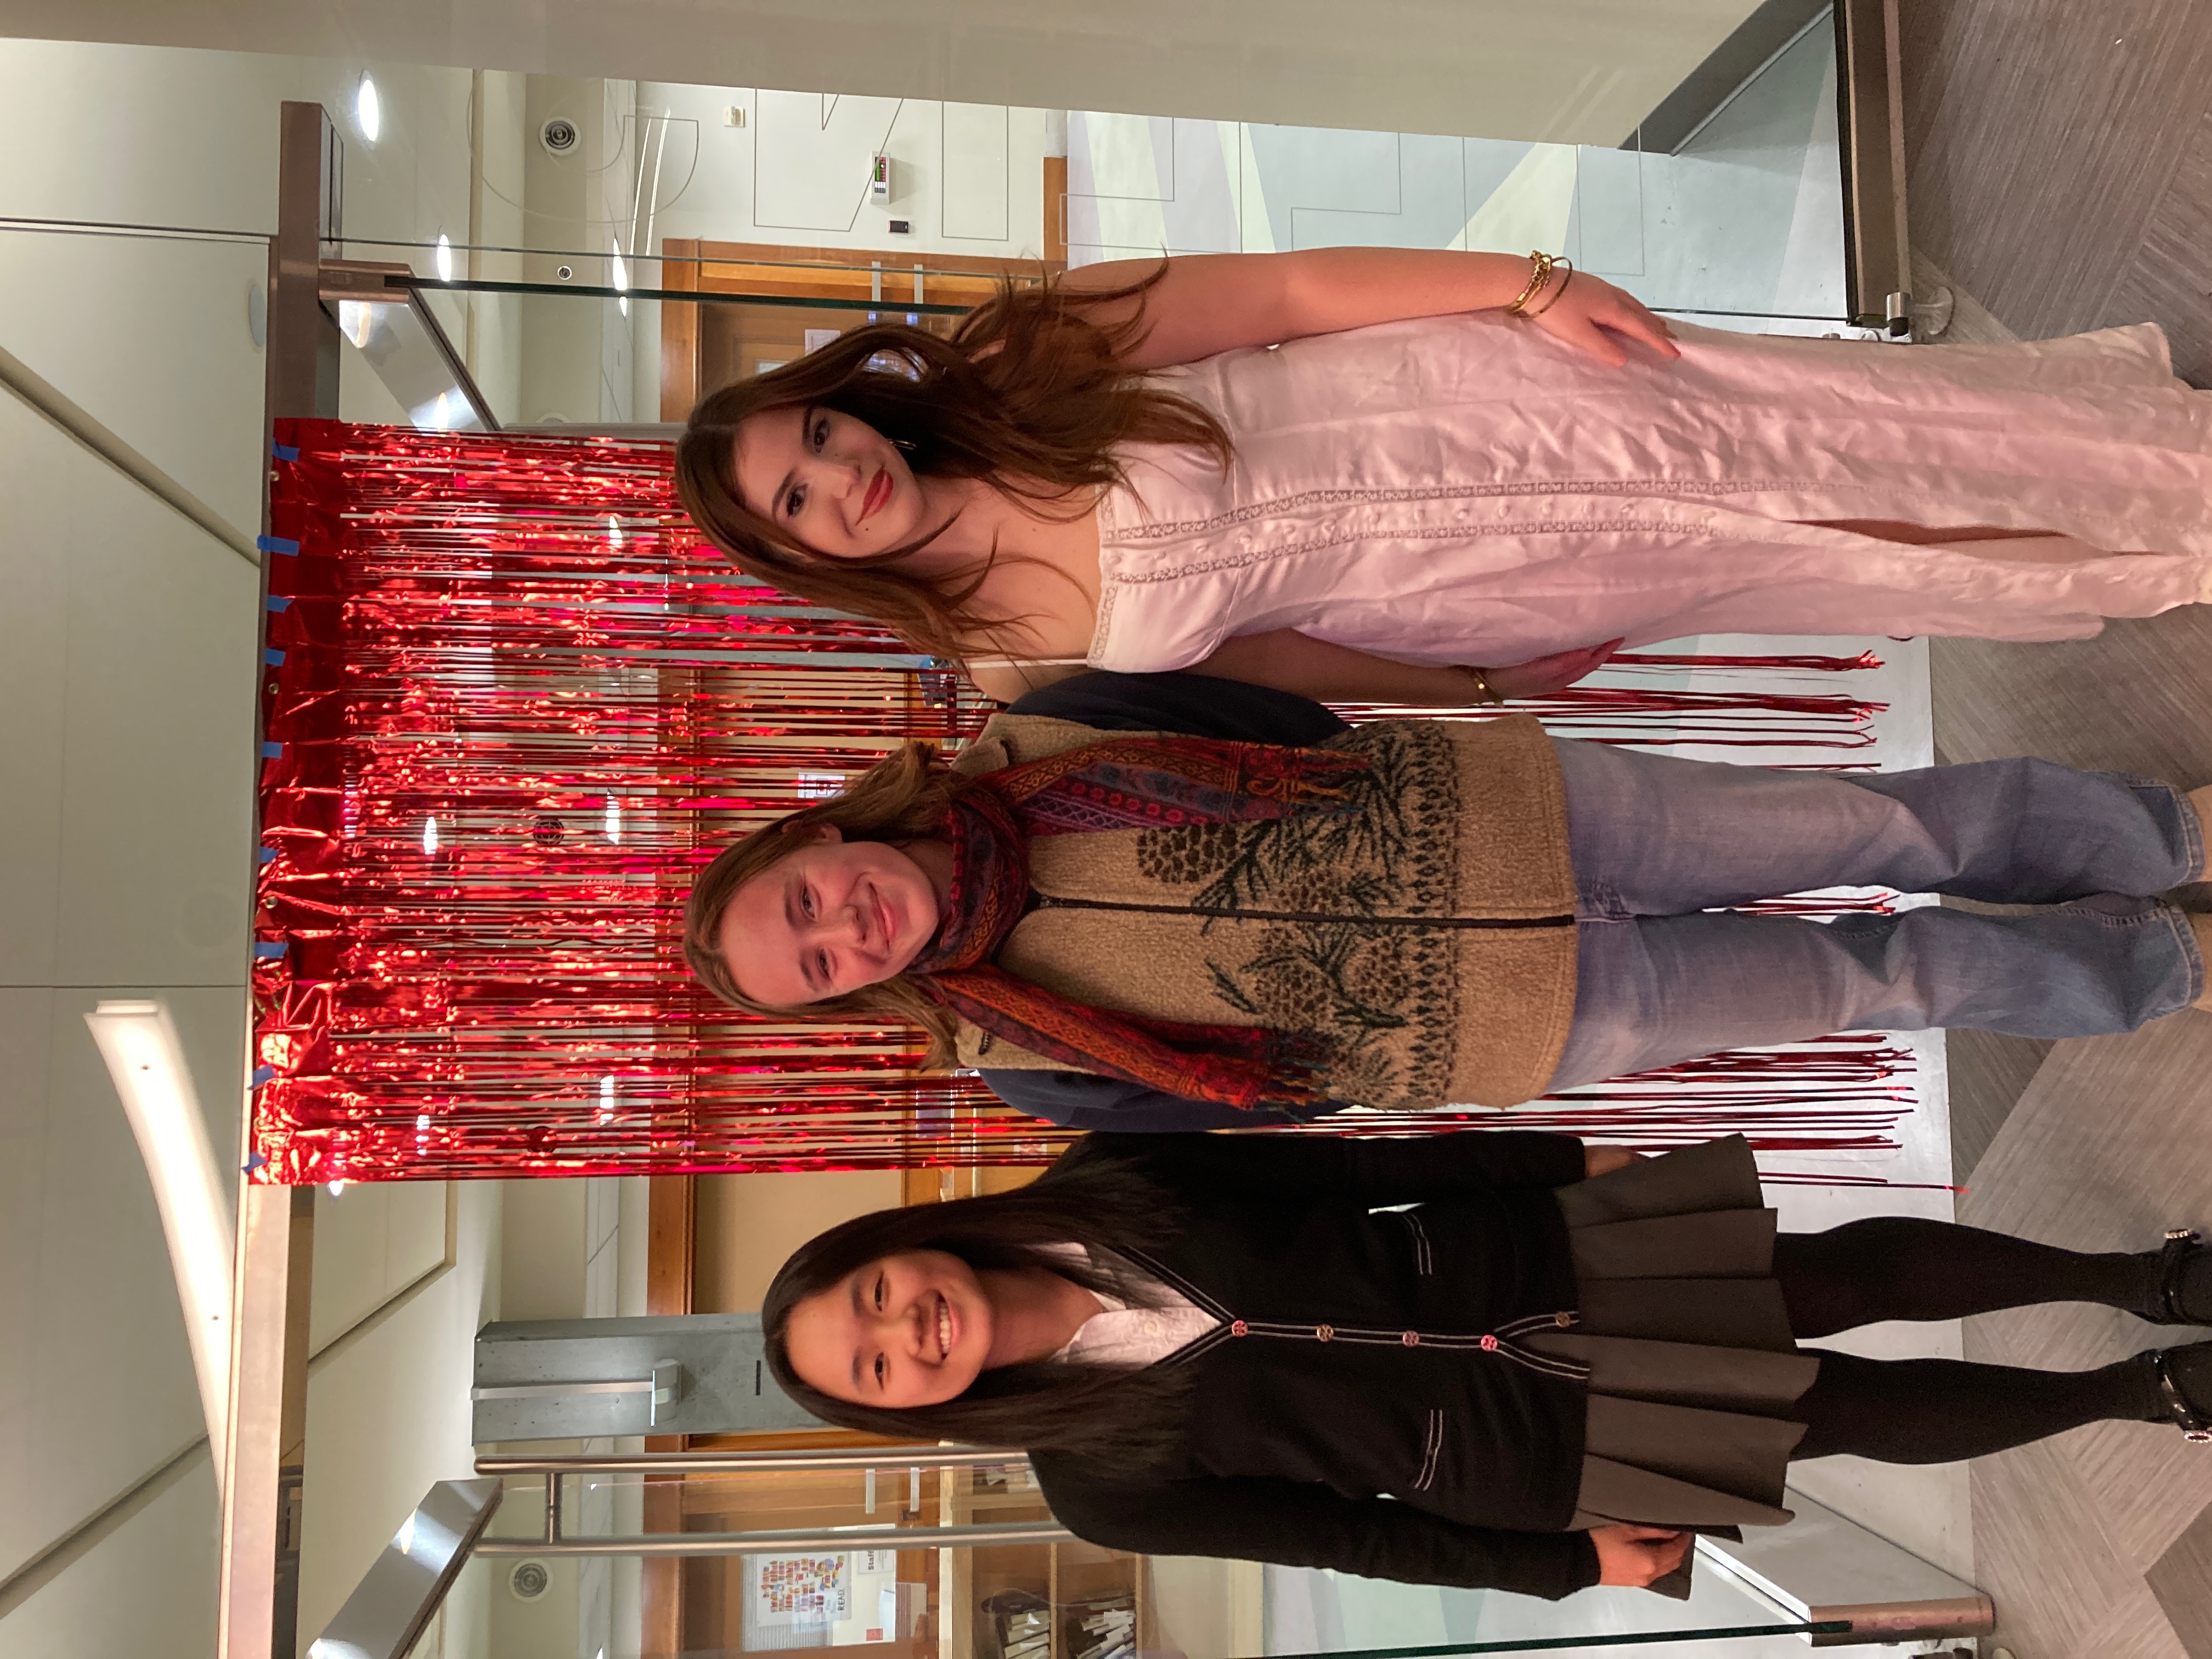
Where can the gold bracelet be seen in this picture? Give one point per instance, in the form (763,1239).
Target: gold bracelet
(1540,272)
(1565,265)
(1483,688)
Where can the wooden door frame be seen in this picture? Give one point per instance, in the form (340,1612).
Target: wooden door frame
(688,263)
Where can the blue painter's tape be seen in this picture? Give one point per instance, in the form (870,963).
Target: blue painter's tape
(262,1074)
(271,751)
(267,950)
(272,656)
(284,452)
(284,544)
(268,856)
(279,602)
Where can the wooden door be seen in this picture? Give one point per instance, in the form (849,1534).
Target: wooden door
(706,346)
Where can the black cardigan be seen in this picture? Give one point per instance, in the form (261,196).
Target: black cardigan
(1303,1419)
(1199,706)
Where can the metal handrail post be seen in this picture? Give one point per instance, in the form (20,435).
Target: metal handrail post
(721,1462)
(779,1543)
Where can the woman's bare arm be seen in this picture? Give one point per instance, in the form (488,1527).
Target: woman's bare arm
(1290,661)
(1209,303)
(1006,680)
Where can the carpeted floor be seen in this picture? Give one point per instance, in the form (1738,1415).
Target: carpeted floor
(2061,180)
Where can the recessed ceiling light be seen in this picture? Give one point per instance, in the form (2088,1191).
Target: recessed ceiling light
(368,109)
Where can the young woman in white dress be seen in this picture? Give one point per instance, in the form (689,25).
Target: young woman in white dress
(1395,474)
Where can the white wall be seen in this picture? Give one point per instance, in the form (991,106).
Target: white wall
(748,1223)
(127,665)
(577,353)
(388,1413)
(1581,72)
(967,178)
(493,339)
(150,1592)
(150,337)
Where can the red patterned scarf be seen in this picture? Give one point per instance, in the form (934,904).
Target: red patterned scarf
(1124,783)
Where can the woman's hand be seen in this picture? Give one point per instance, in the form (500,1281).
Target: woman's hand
(1604,1160)
(1637,1555)
(1541,676)
(1592,315)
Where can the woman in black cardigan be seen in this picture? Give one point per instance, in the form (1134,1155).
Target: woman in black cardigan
(1560,1363)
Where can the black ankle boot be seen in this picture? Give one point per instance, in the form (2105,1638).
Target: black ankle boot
(2183,1376)
(2183,1264)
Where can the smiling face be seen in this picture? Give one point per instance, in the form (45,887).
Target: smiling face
(834,483)
(832,917)
(906,1330)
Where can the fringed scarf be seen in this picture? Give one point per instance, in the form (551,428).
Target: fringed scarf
(1124,783)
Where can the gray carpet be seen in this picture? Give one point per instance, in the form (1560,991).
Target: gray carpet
(2061,180)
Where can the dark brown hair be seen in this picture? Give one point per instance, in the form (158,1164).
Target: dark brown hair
(1130,1415)
(903,797)
(1030,395)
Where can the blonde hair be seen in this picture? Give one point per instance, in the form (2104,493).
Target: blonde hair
(903,797)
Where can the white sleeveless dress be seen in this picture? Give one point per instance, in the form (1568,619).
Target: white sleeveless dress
(1468,490)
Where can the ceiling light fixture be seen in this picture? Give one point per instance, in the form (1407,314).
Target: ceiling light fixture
(357,321)
(622,281)
(444,259)
(368,108)
(146,1062)
(443,413)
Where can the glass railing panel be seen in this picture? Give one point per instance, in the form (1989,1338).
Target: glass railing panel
(1740,217)
(891,1557)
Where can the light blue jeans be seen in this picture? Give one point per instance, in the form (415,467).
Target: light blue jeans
(1657,841)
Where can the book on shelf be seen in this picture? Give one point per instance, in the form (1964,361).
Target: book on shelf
(1107,1633)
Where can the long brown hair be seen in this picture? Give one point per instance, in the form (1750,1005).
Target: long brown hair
(1030,395)
(1127,1414)
(903,797)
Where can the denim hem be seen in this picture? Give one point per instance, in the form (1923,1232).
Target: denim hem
(2178,920)
(2192,832)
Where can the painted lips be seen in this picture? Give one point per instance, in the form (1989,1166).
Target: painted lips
(879,491)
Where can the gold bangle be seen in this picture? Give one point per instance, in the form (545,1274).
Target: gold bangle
(1566,265)
(1483,688)
(1540,272)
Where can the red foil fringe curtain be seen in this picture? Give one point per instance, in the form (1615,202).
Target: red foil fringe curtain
(512,704)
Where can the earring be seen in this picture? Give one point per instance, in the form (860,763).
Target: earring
(907,444)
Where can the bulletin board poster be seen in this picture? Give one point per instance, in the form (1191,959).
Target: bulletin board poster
(841,1599)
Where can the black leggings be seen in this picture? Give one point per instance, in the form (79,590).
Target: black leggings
(1933,1411)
